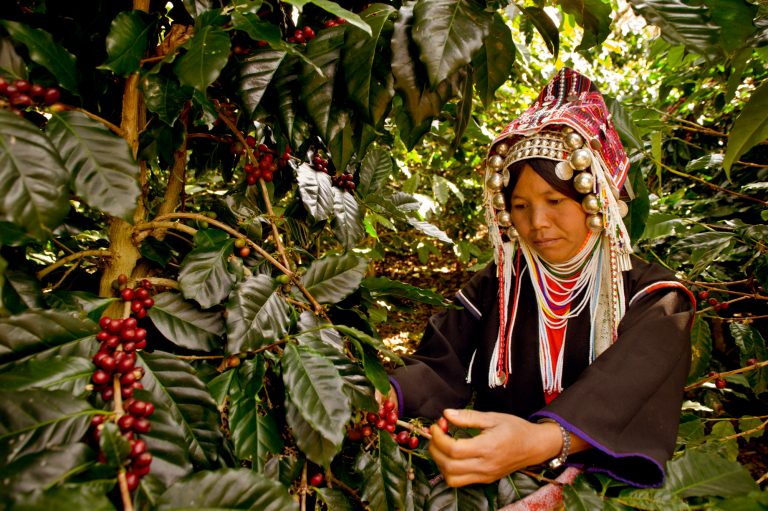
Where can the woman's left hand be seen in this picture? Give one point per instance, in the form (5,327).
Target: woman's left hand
(506,443)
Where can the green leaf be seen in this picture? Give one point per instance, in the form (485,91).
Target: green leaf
(751,345)
(385,476)
(104,172)
(195,8)
(314,389)
(335,9)
(448,34)
(79,301)
(374,343)
(334,499)
(430,230)
(375,169)
(175,387)
(696,474)
(256,73)
(33,179)
(662,224)
(701,347)
(54,373)
(91,496)
(580,496)
(207,54)
(546,27)
(332,278)
(445,498)
(165,97)
(316,88)
(653,500)
(370,90)
(45,468)
(347,222)
(622,120)
(10,61)
(734,17)
(46,52)
(316,191)
(253,435)
(204,275)
(287,84)
(639,207)
(227,489)
(495,60)
(749,129)
(375,372)
(35,331)
(127,42)
(25,289)
(381,287)
(185,325)
(34,420)
(594,16)
(114,445)
(257,314)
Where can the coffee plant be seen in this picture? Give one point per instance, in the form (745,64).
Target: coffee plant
(192,196)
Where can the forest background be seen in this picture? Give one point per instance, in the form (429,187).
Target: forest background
(218,218)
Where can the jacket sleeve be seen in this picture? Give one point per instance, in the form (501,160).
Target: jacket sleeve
(434,377)
(627,402)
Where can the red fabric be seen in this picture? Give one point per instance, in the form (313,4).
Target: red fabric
(555,336)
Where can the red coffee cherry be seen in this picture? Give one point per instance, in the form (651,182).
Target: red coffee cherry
(413,442)
(442,423)
(316,479)
(720,383)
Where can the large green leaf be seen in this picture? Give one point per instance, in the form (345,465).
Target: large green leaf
(207,54)
(46,52)
(114,445)
(317,89)
(448,34)
(594,16)
(33,179)
(330,279)
(546,27)
(315,390)
(104,173)
(682,22)
(54,373)
(335,9)
(347,222)
(185,325)
(375,169)
(175,387)
(41,469)
(227,489)
(127,42)
(429,229)
(90,495)
(34,331)
(368,88)
(652,500)
(445,498)
(750,128)
(697,474)
(256,72)
(701,347)
(165,96)
(376,344)
(580,496)
(204,275)
(287,84)
(316,191)
(385,477)
(493,63)
(381,287)
(34,420)
(79,301)
(257,314)
(751,345)
(734,17)
(334,499)
(22,291)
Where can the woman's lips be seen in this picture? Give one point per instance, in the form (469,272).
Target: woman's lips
(546,242)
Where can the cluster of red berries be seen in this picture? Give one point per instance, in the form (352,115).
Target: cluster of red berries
(302,35)
(139,297)
(385,420)
(22,94)
(333,23)
(344,181)
(119,338)
(267,165)
(320,164)
(707,300)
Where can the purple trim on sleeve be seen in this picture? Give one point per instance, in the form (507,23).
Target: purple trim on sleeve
(469,305)
(399,394)
(573,429)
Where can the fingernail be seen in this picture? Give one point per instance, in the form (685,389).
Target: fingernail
(450,412)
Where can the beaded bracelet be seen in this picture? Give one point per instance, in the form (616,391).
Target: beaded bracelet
(558,462)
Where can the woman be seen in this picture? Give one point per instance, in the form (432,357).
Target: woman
(570,350)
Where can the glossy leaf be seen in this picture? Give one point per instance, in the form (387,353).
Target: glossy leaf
(55,373)
(546,28)
(197,7)
(734,18)
(207,54)
(317,89)
(701,347)
(257,314)
(381,287)
(34,420)
(448,34)
(332,278)
(445,498)
(227,489)
(127,42)
(430,230)
(41,469)
(751,345)
(701,474)
(335,9)
(114,445)
(749,129)
(34,331)
(25,288)
(384,474)
(314,389)
(184,324)
(334,499)
(347,222)
(494,61)
(375,170)
(594,16)
(103,170)
(33,179)
(91,496)
(175,387)
(580,496)
(364,338)
(287,83)
(256,73)
(165,97)
(204,275)
(653,500)
(46,52)
(316,191)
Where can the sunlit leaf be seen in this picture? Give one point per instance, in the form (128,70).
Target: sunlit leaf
(749,129)
(493,63)
(127,42)
(347,222)
(204,275)
(332,278)
(699,474)
(184,324)
(256,314)
(35,331)
(375,169)
(751,346)
(594,16)
(316,191)
(207,53)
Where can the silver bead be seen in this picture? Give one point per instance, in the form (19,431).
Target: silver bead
(502,148)
(498,201)
(583,182)
(567,129)
(574,140)
(496,162)
(495,182)
(512,233)
(503,218)
(623,208)
(590,203)
(564,170)
(595,222)
(581,159)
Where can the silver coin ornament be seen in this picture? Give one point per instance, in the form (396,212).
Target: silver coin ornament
(583,182)
(623,208)
(502,148)
(503,218)
(567,129)
(595,222)
(590,203)
(580,159)
(574,140)
(563,170)
(512,233)
(496,162)
(495,182)
(498,201)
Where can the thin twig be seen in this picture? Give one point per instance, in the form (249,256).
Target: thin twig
(117,130)
(72,257)
(66,274)
(745,433)
(715,376)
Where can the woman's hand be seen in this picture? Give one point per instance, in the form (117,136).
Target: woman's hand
(506,443)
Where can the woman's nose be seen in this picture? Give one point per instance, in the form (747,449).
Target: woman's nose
(539,217)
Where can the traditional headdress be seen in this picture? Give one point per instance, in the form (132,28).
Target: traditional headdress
(570,124)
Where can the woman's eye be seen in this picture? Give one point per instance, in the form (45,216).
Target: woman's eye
(518,206)
(555,202)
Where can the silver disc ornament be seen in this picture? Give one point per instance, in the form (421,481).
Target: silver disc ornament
(498,201)
(503,218)
(623,208)
(495,182)
(502,148)
(574,140)
(590,203)
(580,159)
(583,182)
(496,162)
(563,170)
(595,222)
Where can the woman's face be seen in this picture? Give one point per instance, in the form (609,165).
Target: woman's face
(551,223)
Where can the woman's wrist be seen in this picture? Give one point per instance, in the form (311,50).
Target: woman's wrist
(550,441)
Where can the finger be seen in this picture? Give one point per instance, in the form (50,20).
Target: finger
(449,447)
(471,418)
